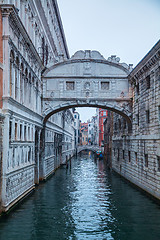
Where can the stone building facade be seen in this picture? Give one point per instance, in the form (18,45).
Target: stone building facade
(108,134)
(136,154)
(77,128)
(31,39)
(33,142)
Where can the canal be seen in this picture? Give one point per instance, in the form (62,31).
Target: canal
(83,201)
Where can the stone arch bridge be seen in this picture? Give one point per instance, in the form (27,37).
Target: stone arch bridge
(93,148)
(87,79)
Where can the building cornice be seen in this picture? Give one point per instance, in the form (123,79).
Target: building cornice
(146,63)
(11,101)
(60,26)
(72,61)
(10,10)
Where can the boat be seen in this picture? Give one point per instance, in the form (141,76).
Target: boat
(99,154)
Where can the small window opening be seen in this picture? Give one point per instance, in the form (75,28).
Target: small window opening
(146,160)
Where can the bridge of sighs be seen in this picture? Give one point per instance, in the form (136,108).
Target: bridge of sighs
(87,79)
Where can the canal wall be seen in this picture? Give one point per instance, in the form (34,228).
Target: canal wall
(136,154)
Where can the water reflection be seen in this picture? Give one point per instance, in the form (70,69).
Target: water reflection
(84,201)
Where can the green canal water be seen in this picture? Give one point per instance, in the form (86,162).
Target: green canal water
(84,201)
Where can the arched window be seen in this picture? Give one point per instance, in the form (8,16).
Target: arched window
(33,81)
(29,83)
(43,49)
(37,94)
(119,124)
(11,72)
(21,83)
(16,77)
(25,85)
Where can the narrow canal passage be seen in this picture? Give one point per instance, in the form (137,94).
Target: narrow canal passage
(84,201)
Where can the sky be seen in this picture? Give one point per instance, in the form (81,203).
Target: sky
(126,28)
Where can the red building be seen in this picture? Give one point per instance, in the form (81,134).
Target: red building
(102,117)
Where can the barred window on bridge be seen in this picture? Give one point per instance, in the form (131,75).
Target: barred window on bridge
(104,85)
(70,85)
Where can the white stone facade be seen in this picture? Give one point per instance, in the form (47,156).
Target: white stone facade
(33,39)
(77,128)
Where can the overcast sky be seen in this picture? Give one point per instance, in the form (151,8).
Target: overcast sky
(126,28)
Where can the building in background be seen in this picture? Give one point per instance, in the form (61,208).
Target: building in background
(90,132)
(77,128)
(95,130)
(84,133)
(102,115)
(108,133)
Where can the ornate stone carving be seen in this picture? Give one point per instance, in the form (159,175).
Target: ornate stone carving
(52,94)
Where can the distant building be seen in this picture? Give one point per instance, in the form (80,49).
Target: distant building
(77,128)
(102,117)
(108,133)
(84,133)
(90,132)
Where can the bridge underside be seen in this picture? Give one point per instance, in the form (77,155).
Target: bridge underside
(92,148)
(119,106)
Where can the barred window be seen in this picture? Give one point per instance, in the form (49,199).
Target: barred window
(104,85)
(146,160)
(148,81)
(129,156)
(136,158)
(123,153)
(137,88)
(158,162)
(70,85)
(147,116)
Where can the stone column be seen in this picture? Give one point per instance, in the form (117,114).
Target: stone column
(23,90)
(18,84)
(6,50)
(18,6)
(13,130)
(13,80)
(61,89)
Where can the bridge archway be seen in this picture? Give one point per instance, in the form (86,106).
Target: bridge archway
(87,79)
(92,148)
(121,111)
